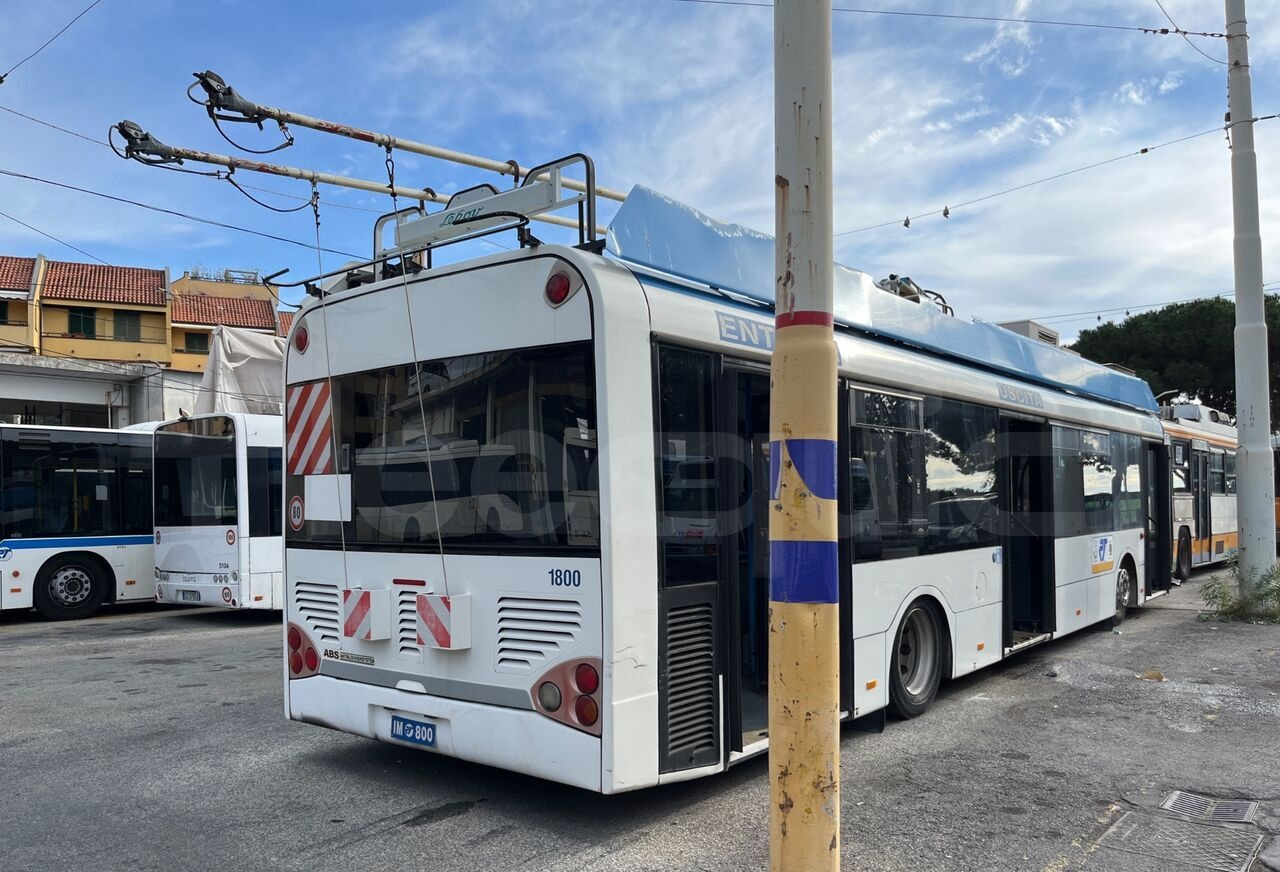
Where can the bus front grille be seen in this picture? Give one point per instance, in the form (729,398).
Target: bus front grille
(317,604)
(532,631)
(689,703)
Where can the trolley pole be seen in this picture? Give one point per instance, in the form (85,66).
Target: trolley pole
(1255,465)
(804,697)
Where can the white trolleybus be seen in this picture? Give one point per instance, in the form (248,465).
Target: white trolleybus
(218,511)
(528,525)
(1202,457)
(75,508)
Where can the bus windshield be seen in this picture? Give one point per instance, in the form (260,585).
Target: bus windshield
(195,473)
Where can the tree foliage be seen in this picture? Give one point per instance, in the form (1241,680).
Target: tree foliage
(1185,347)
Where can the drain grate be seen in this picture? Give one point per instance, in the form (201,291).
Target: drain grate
(1222,811)
(1221,849)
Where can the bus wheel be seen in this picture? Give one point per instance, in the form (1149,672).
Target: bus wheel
(1126,595)
(70,586)
(916,668)
(1183,570)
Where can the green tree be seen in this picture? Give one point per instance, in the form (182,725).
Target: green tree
(1185,347)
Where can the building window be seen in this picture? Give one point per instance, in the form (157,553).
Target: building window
(196,343)
(127,326)
(4,312)
(82,322)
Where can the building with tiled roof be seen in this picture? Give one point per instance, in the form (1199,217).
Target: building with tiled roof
(99,283)
(286,322)
(16,273)
(17,281)
(101,312)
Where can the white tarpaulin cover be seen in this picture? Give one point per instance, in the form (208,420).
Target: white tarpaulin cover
(245,373)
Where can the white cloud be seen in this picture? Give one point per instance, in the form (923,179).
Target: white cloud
(1010,48)
(1000,132)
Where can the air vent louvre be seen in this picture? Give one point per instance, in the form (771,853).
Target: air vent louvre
(407,622)
(317,604)
(691,680)
(532,631)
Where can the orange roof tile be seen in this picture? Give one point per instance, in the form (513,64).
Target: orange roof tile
(286,321)
(15,272)
(99,283)
(230,311)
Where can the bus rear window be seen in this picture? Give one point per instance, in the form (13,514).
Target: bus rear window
(482,450)
(195,474)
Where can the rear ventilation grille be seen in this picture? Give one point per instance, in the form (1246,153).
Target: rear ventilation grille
(407,623)
(317,605)
(691,681)
(533,631)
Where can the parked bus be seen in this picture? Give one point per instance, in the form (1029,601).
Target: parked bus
(1202,461)
(994,493)
(75,518)
(218,511)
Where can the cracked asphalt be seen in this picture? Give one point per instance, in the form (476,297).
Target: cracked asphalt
(154,739)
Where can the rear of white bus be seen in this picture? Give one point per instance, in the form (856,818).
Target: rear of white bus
(442,519)
(218,511)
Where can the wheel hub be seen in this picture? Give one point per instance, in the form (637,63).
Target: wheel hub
(917,646)
(70,585)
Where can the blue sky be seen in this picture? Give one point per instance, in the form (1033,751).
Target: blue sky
(676,96)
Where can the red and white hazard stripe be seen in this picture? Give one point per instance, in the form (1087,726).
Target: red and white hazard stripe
(308,424)
(434,620)
(357,607)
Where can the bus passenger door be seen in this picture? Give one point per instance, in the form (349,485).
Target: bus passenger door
(1157,510)
(1026,510)
(1200,503)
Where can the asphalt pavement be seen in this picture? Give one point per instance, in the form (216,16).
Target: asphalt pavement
(151,738)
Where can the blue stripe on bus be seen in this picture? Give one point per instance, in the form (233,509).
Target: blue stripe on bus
(77,542)
(803,572)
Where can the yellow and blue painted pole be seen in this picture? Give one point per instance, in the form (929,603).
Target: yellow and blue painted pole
(804,610)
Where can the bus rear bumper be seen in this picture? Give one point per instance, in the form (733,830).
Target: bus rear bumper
(227,596)
(521,741)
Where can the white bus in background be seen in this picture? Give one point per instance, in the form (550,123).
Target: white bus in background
(218,511)
(994,493)
(75,518)
(1202,459)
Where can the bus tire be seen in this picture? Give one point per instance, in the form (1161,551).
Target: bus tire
(1183,569)
(70,587)
(915,669)
(1126,592)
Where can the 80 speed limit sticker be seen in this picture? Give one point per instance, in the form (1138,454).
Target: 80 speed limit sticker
(295,514)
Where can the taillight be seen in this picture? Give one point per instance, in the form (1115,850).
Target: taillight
(586,677)
(586,710)
(301,338)
(302,656)
(576,680)
(558,288)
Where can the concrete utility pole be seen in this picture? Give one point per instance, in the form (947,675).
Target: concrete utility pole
(1255,497)
(804,610)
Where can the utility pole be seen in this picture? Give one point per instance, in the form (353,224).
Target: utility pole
(804,610)
(1255,497)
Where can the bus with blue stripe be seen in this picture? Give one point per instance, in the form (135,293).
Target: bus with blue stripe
(75,518)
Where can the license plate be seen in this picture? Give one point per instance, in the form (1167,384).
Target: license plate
(190,596)
(418,732)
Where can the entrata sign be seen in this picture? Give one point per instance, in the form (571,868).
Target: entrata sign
(296,516)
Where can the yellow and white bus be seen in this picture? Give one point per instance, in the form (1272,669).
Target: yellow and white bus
(1202,461)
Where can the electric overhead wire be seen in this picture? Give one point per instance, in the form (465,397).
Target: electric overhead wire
(1091,313)
(1184,35)
(62,242)
(173,212)
(1158,31)
(48,41)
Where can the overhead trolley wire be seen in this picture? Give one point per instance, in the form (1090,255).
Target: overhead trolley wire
(1184,35)
(1094,312)
(1158,31)
(173,212)
(48,41)
(54,238)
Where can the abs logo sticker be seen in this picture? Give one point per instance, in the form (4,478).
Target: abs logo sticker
(296,516)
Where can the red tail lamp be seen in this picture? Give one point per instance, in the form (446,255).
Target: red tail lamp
(558,288)
(586,710)
(301,338)
(304,659)
(586,677)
